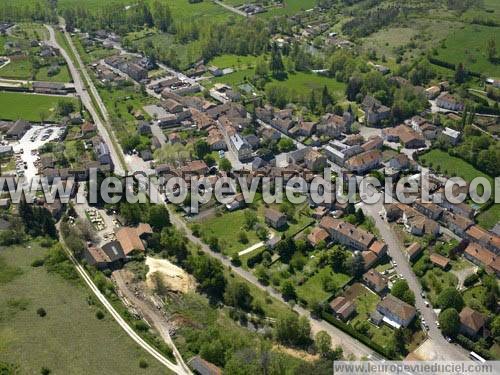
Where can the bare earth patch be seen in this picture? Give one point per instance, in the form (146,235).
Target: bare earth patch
(174,278)
(296,353)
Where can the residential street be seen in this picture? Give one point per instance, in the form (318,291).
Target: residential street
(85,97)
(339,338)
(448,351)
(349,344)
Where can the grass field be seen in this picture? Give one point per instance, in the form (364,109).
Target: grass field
(226,227)
(452,166)
(62,76)
(69,339)
(468,46)
(14,106)
(19,69)
(300,81)
(490,217)
(312,290)
(234,61)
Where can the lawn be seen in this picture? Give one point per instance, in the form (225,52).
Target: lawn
(17,69)
(475,298)
(62,76)
(365,300)
(435,280)
(225,228)
(451,165)
(468,46)
(14,106)
(291,7)
(312,290)
(234,61)
(69,339)
(300,81)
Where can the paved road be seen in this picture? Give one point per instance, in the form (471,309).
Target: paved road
(339,338)
(123,324)
(152,315)
(395,249)
(85,96)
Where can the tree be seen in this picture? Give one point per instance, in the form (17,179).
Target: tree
(288,291)
(65,107)
(323,343)
(491,49)
(242,237)
(360,216)
(175,243)
(292,330)
(158,217)
(209,274)
(201,148)
(450,298)
(286,248)
(326,98)
(285,145)
(276,64)
(225,165)
(237,294)
(401,290)
(162,16)
(250,219)
(449,321)
(337,258)
(358,265)
(460,73)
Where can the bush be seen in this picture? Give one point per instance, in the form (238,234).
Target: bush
(141,326)
(99,315)
(41,312)
(143,363)
(38,263)
(471,280)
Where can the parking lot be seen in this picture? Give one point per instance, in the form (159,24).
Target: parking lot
(26,149)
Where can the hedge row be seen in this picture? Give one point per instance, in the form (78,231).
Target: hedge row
(446,64)
(358,336)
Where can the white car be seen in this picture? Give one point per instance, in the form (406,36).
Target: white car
(437,324)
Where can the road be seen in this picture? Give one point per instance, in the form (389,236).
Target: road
(85,96)
(231,8)
(339,338)
(86,100)
(395,249)
(152,315)
(123,324)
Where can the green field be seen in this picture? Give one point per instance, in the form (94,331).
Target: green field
(234,61)
(312,290)
(468,46)
(226,227)
(69,339)
(490,217)
(19,69)
(14,106)
(300,81)
(451,165)
(62,76)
